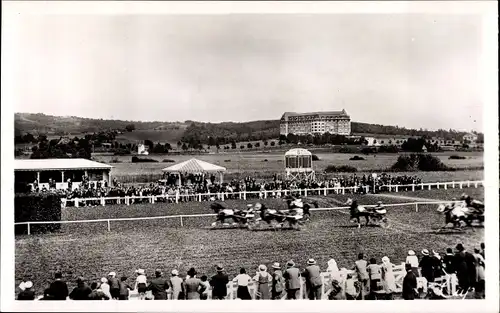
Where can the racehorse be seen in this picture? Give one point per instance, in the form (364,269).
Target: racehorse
(459,212)
(376,214)
(224,213)
(298,203)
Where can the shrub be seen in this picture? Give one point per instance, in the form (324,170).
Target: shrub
(388,149)
(227,160)
(368,150)
(143,160)
(168,161)
(457,157)
(242,147)
(122,152)
(272,143)
(340,169)
(348,149)
(419,162)
(356,158)
(265,160)
(315,157)
(30,207)
(115,160)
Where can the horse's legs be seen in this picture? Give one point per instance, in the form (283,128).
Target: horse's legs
(367,218)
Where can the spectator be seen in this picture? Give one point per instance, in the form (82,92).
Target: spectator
(177,286)
(47,295)
(205,287)
(219,284)
(58,289)
(412,259)
(81,291)
(461,268)
(97,293)
(351,292)
(375,275)
(114,286)
(292,280)
(27,293)
(426,266)
(437,264)
(193,286)
(313,280)
(105,287)
(360,268)
(124,288)
(471,268)
(409,283)
(479,287)
(242,281)
(141,284)
(262,279)
(388,279)
(159,286)
(448,261)
(482,249)
(278,282)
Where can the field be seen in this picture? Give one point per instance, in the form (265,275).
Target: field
(91,251)
(264,165)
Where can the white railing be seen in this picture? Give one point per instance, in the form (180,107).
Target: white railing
(264,194)
(183,216)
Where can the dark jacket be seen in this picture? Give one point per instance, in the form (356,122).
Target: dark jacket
(26,294)
(461,269)
(448,263)
(59,290)
(292,278)
(81,292)
(113,283)
(409,285)
(98,295)
(219,285)
(312,276)
(471,261)
(427,268)
(159,287)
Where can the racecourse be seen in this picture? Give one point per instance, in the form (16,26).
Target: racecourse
(91,251)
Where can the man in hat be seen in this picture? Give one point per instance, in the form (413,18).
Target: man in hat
(360,266)
(159,286)
(81,291)
(27,293)
(58,288)
(427,266)
(219,284)
(449,261)
(278,282)
(461,269)
(177,286)
(409,284)
(313,280)
(114,286)
(292,280)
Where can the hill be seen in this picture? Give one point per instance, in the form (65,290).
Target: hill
(172,132)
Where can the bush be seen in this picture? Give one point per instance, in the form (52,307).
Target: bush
(348,149)
(368,150)
(227,160)
(168,161)
(115,160)
(315,157)
(457,157)
(143,160)
(30,207)
(265,160)
(388,149)
(419,162)
(356,158)
(122,152)
(340,169)
(272,143)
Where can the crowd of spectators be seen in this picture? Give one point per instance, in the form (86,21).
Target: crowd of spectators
(373,280)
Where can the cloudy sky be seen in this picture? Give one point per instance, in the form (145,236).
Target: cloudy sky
(407,70)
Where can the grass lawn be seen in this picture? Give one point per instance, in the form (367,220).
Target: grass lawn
(91,251)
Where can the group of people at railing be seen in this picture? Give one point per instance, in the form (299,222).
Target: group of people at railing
(365,280)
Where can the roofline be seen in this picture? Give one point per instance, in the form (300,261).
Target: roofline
(61,169)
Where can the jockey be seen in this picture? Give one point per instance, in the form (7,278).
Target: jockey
(379,208)
(472,204)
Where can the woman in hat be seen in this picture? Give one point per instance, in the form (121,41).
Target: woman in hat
(427,266)
(263,278)
(193,286)
(105,287)
(278,282)
(412,259)
(243,279)
(388,279)
(27,293)
(141,284)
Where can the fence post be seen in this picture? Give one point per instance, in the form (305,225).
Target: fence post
(413,187)
(127,200)
(445,186)
(468,183)
(460,185)
(76,202)
(152,199)
(109,226)
(265,194)
(222,196)
(63,202)
(29,229)
(416,207)
(325,191)
(475,184)
(422,186)
(453,184)
(177,197)
(396,188)
(199,197)
(305,192)
(343,190)
(429,186)
(182,224)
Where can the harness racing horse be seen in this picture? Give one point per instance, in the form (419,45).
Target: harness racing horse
(298,203)
(238,217)
(376,214)
(456,213)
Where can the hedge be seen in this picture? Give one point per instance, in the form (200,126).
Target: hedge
(30,207)
(340,169)
(143,160)
(419,162)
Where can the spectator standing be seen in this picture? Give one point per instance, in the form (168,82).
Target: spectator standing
(124,288)
(141,283)
(177,286)
(461,268)
(105,287)
(193,286)
(480,278)
(388,279)
(205,287)
(159,286)
(27,293)
(375,275)
(482,249)
(426,266)
(412,259)
(351,293)
(292,280)
(81,291)
(278,282)
(409,283)
(242,280)
(114,286)
(437,264)
(313,280)
(262,279)
(97,293)
(360,268)
(471,268)
(448,262)
(219,284)
(58,289)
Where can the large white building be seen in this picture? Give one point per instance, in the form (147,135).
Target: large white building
(334,122)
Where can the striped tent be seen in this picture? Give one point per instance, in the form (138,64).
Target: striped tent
(195,166)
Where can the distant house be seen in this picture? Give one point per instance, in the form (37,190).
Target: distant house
(142,150)
(470,138)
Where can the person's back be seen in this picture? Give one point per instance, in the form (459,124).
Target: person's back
(81,292)
(409,285)
(158,287)
(361,269)
(219,285)
(192,284)
(292,278)
(26,294)
(176,283)
(59,288)
(124,289)
(312,275)
(97,293)
(114,286)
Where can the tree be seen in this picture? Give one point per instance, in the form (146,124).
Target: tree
(257,144)
(265,143)
(184,147)
(130,127)
(242,147)
(249,145)
(273,143)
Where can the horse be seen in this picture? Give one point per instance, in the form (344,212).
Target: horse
(293,203)
(224,213)
(357,212)
(460,212)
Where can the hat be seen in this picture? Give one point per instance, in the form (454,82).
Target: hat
(276,266)
(140,271)
(460,247)
(311,262)
(290,263)
(411,252)
(249,205)
(425,252)
(379,202)
(262,268)
(28,284)
(104,280)
(175,272)
(112,274)
(219,268)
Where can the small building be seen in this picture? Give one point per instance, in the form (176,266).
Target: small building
(42,171)
(142,150)
(470,138)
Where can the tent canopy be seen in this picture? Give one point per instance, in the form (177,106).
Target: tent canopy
(298,152)
(194,166)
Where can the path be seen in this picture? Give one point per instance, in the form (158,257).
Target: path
(404,197)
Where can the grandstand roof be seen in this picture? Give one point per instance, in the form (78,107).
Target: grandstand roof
(329,113)
(58,164)
(297,152)
(194,166)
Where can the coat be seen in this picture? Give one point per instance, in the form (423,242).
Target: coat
(471,267)
(219,285)
(427,268)
(26,294)
(312,276)
(409,285)
(159,287)
(292,278)
(59,290)
(461,269)
(192,287)
(361,266)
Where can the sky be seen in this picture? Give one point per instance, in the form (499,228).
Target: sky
(411,70)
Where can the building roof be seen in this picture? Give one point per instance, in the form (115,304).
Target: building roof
(335,113)
(298,152)
(57,164)
(194,166)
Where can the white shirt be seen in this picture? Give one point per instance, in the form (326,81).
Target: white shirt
(412,260)
(141,279)
(242,279)
(105,288)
